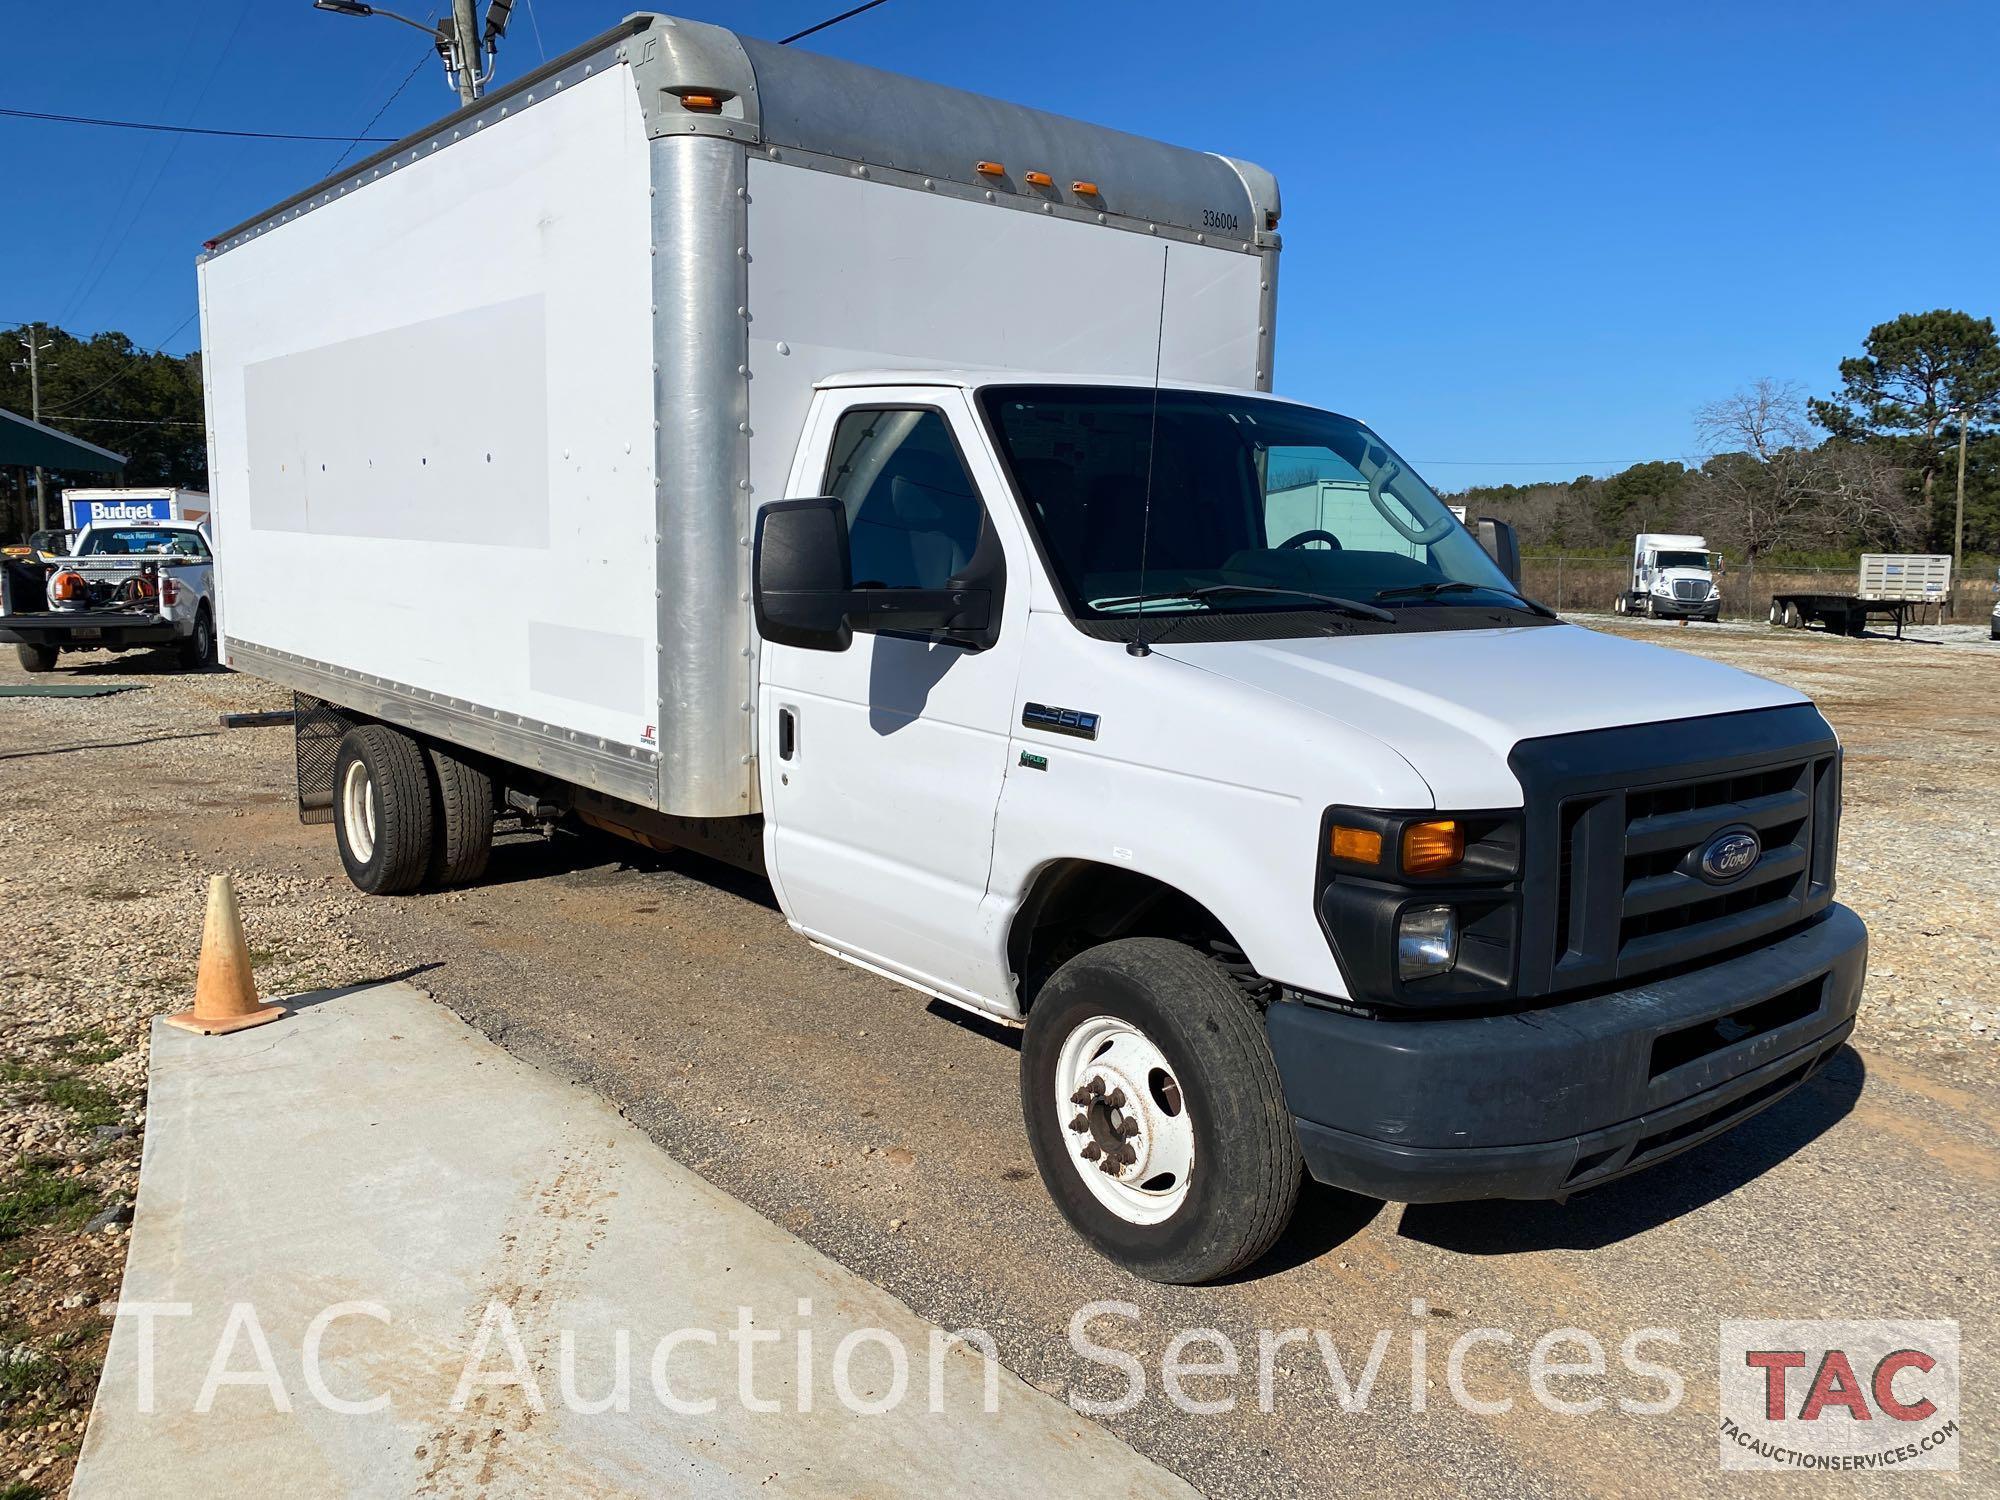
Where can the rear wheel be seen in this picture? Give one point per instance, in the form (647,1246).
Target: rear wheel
(1622,604)
(382,810)
(1155,1112)
(1793,618)
(36,658)
(197,651)
(462,827)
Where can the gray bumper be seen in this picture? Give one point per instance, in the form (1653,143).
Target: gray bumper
(1546,1102)
(87,631)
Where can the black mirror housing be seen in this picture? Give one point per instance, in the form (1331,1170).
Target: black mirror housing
(1498,538)
(801,576)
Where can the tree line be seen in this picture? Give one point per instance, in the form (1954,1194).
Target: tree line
(105,390)
(1872,465)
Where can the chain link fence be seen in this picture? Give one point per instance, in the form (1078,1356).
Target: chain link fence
(1592,583)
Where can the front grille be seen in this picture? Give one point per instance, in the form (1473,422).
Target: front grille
(1690,590)
(1615,888)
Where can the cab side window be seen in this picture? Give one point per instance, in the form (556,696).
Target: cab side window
(913,517)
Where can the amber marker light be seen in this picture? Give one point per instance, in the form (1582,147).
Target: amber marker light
(1432,846)
(989,169)
(1040,180)
(1361,846)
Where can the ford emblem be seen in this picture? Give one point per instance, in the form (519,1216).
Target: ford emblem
(1730,855)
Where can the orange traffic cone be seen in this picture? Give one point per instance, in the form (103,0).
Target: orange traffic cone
(225,995)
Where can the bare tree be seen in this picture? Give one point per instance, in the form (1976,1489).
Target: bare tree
(1770,482)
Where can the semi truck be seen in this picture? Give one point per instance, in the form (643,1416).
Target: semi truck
(880,487)
(1674,577)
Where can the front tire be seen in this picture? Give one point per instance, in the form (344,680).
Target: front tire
(36,658)
(1144,1054)
(382,810)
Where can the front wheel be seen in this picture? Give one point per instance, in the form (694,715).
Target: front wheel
(36,658)
(1155,1111)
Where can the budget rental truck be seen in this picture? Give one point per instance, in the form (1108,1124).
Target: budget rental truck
(879,487)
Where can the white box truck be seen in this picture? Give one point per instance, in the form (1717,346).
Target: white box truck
(668,444)
(1674,577)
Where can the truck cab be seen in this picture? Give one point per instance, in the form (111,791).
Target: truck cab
(1067,716)
(1673,577)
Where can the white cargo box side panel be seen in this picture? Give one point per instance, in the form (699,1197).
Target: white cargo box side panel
(854,275)
(431,409)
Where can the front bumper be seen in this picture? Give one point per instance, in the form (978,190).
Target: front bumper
(1547,1102)
(87,630)
(1678,609)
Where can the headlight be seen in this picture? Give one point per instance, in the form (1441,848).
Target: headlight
(1426,941)
(1714,592)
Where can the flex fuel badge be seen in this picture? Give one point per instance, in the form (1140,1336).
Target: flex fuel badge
(1033,761)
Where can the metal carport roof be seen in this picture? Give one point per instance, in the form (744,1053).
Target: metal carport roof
(27,443)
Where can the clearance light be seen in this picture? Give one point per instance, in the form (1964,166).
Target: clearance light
(989,169)
(1085,190)
(700,101)
(1040,180)
(1363,846)
(1433,846)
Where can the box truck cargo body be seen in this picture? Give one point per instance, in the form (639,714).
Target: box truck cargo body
(519,385)
(879,486)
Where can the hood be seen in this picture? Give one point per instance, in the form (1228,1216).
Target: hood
(1454,703)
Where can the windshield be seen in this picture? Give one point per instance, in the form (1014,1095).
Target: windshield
(142,541)
(1257,506)
(1696,560)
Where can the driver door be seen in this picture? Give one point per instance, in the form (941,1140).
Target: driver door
(882,764)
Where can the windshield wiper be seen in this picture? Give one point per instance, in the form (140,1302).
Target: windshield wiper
(1456,586)
(1210,591)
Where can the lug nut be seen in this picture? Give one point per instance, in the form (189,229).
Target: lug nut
(1110,1165)
(1079,1124)
(1081,1096)
(1116,1099)
(1096,1087)
(1126,1128)
(1127,1155)
(1092,1152)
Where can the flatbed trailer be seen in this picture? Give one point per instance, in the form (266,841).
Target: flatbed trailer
(1841,614)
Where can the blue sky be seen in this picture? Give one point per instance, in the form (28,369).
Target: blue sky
(1524,241)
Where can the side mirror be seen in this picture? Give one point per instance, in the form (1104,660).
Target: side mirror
(802,586)
(1498,538)
(800,578)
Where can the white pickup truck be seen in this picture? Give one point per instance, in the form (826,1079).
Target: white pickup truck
(128,584)
(677,425)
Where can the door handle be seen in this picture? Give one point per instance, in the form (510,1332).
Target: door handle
(787,733)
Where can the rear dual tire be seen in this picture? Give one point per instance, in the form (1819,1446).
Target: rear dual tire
(1214,1169)
(406,815)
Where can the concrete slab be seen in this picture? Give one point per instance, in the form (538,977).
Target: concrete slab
(508,1233)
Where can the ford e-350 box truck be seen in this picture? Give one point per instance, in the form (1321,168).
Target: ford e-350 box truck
(668,443)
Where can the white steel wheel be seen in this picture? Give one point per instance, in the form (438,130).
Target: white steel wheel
(357,809)
(1130,1134)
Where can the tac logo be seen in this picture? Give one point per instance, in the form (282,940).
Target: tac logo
(1847,1396)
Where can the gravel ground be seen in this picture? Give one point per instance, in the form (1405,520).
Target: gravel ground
(614,968)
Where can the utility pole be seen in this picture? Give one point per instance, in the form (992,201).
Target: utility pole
(458,39)
(465,49)
(1958,525)
(34,363)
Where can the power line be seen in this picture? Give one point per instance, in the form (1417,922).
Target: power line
(154,125)
(846,15)
(408,79)
(123,370)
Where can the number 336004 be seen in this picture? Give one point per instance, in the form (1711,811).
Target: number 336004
(1212,218)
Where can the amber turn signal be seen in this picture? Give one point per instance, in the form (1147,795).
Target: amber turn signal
(1433,846)
(1363,846)
(700,101)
